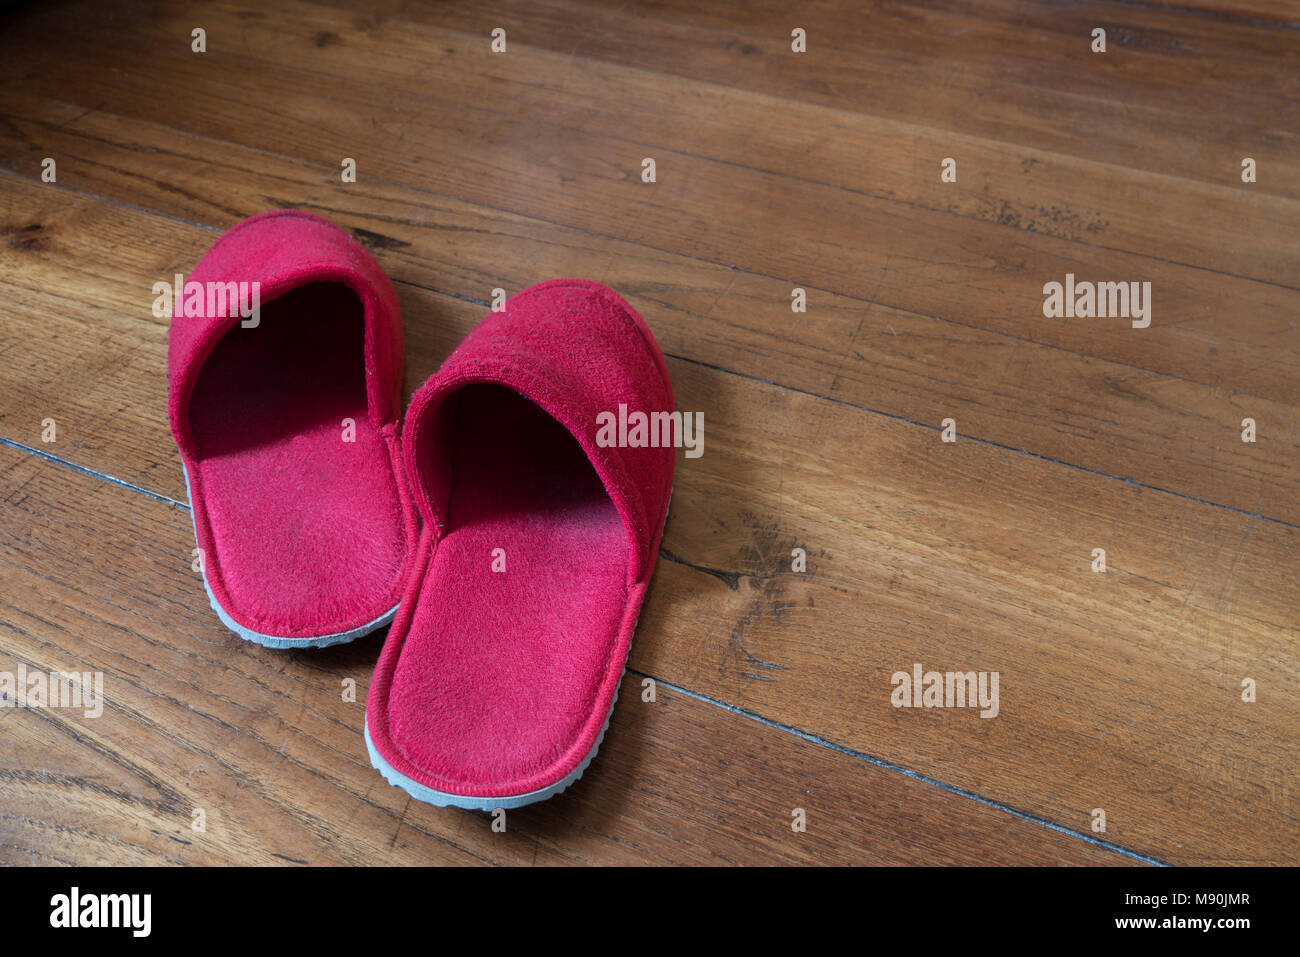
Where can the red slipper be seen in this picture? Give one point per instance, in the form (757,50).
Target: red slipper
(285,368)
(498,677)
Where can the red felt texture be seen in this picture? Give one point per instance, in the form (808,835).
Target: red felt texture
(305,520)
(497,683)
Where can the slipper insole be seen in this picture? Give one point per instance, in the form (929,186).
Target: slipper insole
(307,525)
(499,669)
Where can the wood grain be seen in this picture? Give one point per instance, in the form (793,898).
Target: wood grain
(1140,425)
(966,556)
(1224,226)
(97,578)
(1224,331)
(1005,70)
(1119,690)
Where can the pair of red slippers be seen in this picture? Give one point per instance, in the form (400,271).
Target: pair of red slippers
(513,608)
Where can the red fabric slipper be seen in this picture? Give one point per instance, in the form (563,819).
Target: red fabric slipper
(498,677)
(287,420)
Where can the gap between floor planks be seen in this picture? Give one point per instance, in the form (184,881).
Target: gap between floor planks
(779,385)
(742,712)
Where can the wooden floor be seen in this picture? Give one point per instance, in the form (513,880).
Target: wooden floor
(1120,691)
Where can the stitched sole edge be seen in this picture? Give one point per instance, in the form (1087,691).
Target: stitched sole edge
(428,795)
(276,641)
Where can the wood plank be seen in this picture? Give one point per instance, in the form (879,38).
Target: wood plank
(1005,70)
(1279,13)
(1163,432)
(1227,227)
(94,577)
(1121,690)
(1222,331)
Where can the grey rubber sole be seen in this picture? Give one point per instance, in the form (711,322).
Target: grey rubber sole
(443,799)
(275,641)
(278,641)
